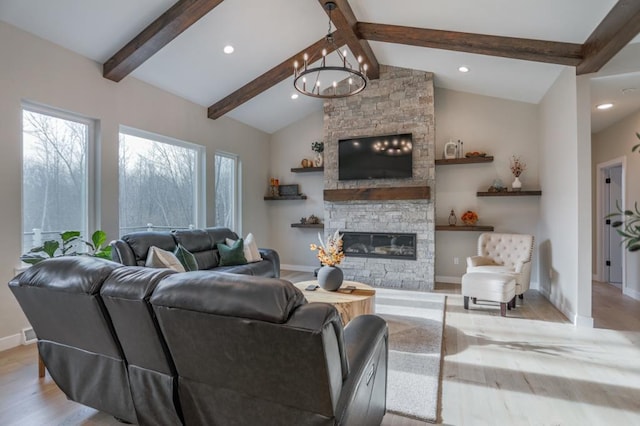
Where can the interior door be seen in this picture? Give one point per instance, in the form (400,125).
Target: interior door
(614,249)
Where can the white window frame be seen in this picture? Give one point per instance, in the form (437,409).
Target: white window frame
(199,182)
(92,190)
(237,190)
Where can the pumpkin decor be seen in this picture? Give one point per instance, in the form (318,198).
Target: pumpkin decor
(469,218)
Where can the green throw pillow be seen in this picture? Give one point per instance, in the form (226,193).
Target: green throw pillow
(232,255)
(187,258)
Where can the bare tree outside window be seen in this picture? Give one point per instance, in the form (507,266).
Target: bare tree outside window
(226,190)
(54,177)
(158,184)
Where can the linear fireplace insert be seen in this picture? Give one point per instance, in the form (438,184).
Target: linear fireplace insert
(380,244)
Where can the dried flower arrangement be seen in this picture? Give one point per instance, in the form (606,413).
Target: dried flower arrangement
(317,146)
(517,166)
(329,254)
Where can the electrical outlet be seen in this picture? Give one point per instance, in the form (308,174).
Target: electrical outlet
(456,260)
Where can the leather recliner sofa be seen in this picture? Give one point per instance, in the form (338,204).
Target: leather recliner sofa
(132,249)
(155,347)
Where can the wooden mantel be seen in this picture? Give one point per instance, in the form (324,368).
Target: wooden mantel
(379,194)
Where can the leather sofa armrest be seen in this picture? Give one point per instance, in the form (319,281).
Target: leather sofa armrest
(364,337)
(273,257)
(121,252)
(473,261)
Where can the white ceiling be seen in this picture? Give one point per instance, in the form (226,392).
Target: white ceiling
(265,33)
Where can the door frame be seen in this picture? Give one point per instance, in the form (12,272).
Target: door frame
(601,212)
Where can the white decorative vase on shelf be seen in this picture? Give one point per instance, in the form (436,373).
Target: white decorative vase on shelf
(319,160)
(330,278)
(516,185)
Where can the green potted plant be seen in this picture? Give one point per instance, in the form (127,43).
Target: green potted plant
(97,247)
(627,223)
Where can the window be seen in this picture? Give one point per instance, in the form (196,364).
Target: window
(227,184)
(55,174)
(161,182)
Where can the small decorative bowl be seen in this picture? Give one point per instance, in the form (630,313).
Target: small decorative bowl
(470,222)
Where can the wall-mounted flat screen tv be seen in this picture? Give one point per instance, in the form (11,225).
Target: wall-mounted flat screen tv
(377,157)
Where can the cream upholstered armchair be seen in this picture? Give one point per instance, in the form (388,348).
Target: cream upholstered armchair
(504,254)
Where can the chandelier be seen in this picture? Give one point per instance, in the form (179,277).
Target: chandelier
(345,79)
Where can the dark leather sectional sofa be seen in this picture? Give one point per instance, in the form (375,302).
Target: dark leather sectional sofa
(133,248)
(156,347)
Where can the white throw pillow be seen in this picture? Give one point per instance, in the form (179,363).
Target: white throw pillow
(158,258)
(250,249)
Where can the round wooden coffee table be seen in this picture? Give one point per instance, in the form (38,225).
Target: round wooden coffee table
(349,305)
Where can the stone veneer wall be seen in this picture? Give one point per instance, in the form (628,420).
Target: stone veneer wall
(401,101)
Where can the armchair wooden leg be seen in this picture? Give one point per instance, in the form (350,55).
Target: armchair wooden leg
(521,296)
(503,309)
(41,368)
(466,302)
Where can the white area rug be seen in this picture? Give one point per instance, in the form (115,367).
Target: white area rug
(416,323)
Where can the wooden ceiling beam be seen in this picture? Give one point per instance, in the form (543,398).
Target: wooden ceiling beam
(158,34)
(272,77)
(506,47)
(345,21)
(615,31)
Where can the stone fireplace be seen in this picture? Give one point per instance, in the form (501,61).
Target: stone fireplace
(400,102)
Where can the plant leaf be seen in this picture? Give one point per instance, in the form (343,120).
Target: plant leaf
(32,259)
(616,224)
(99,238)
(50,247)
(67,236)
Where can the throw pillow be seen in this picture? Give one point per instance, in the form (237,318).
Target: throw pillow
(232,255)
(187,258)
(158,258)
(251,252)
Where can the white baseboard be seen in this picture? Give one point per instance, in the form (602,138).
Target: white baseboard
(451,280)
(298,268)
(582,321)
(632,293)
(10,341)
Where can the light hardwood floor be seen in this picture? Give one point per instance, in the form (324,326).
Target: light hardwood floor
(531,368)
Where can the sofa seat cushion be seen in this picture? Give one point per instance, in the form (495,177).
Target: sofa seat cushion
(263,268)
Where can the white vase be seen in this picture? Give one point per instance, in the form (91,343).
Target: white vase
(319,160)
(516,185)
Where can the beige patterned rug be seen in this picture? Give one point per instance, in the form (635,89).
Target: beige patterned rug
(416,323)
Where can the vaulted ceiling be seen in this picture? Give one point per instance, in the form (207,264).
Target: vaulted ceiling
(515,50)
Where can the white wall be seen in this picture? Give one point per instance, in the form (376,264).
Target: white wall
(565,223)
(288,147)
(36,70)
(616,142)
(501,128)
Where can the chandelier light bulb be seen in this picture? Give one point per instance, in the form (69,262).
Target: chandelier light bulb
(324,52)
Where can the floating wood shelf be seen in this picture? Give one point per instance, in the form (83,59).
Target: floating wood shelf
(307,225)
(481,228)
(510,193)
(287,197)
(307,169)
(378,194)
(469,160)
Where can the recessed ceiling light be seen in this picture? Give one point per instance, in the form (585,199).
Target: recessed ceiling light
(228,49)
(604,106)
(463,69)
(294,96)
